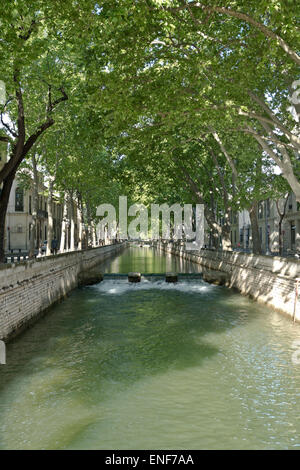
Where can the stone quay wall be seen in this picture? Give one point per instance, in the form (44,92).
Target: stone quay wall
(29,288)
(267,279)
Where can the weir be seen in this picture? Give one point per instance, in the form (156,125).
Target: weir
(153,276)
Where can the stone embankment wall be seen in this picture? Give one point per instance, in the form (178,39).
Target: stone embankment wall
(272,280)
(29,288)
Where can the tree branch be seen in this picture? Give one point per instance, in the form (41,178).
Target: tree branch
(244,17)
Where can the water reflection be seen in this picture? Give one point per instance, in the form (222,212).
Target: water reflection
(148,260)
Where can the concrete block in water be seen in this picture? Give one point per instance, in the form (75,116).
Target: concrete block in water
(134,277)
(171,277)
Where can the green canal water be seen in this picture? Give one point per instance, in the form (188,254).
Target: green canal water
(152,366)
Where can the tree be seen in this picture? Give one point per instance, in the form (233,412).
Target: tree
(44,49)
(184,62)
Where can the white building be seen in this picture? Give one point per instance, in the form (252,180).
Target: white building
(19,218)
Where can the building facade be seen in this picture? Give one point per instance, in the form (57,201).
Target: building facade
(268,218)
(19,218)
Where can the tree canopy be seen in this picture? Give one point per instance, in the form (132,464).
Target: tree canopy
(172,100)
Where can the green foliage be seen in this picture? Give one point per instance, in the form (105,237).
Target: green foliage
(148,85)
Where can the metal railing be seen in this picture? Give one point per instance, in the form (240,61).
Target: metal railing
(19,255)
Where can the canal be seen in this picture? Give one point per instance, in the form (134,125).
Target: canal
(152,366)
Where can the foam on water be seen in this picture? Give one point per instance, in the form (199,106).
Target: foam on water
(122,286)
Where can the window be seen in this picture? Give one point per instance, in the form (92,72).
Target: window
(19,200)
(30,205)
(241,235)
(260,234)
(247,237)
(293,232)
(233,217)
